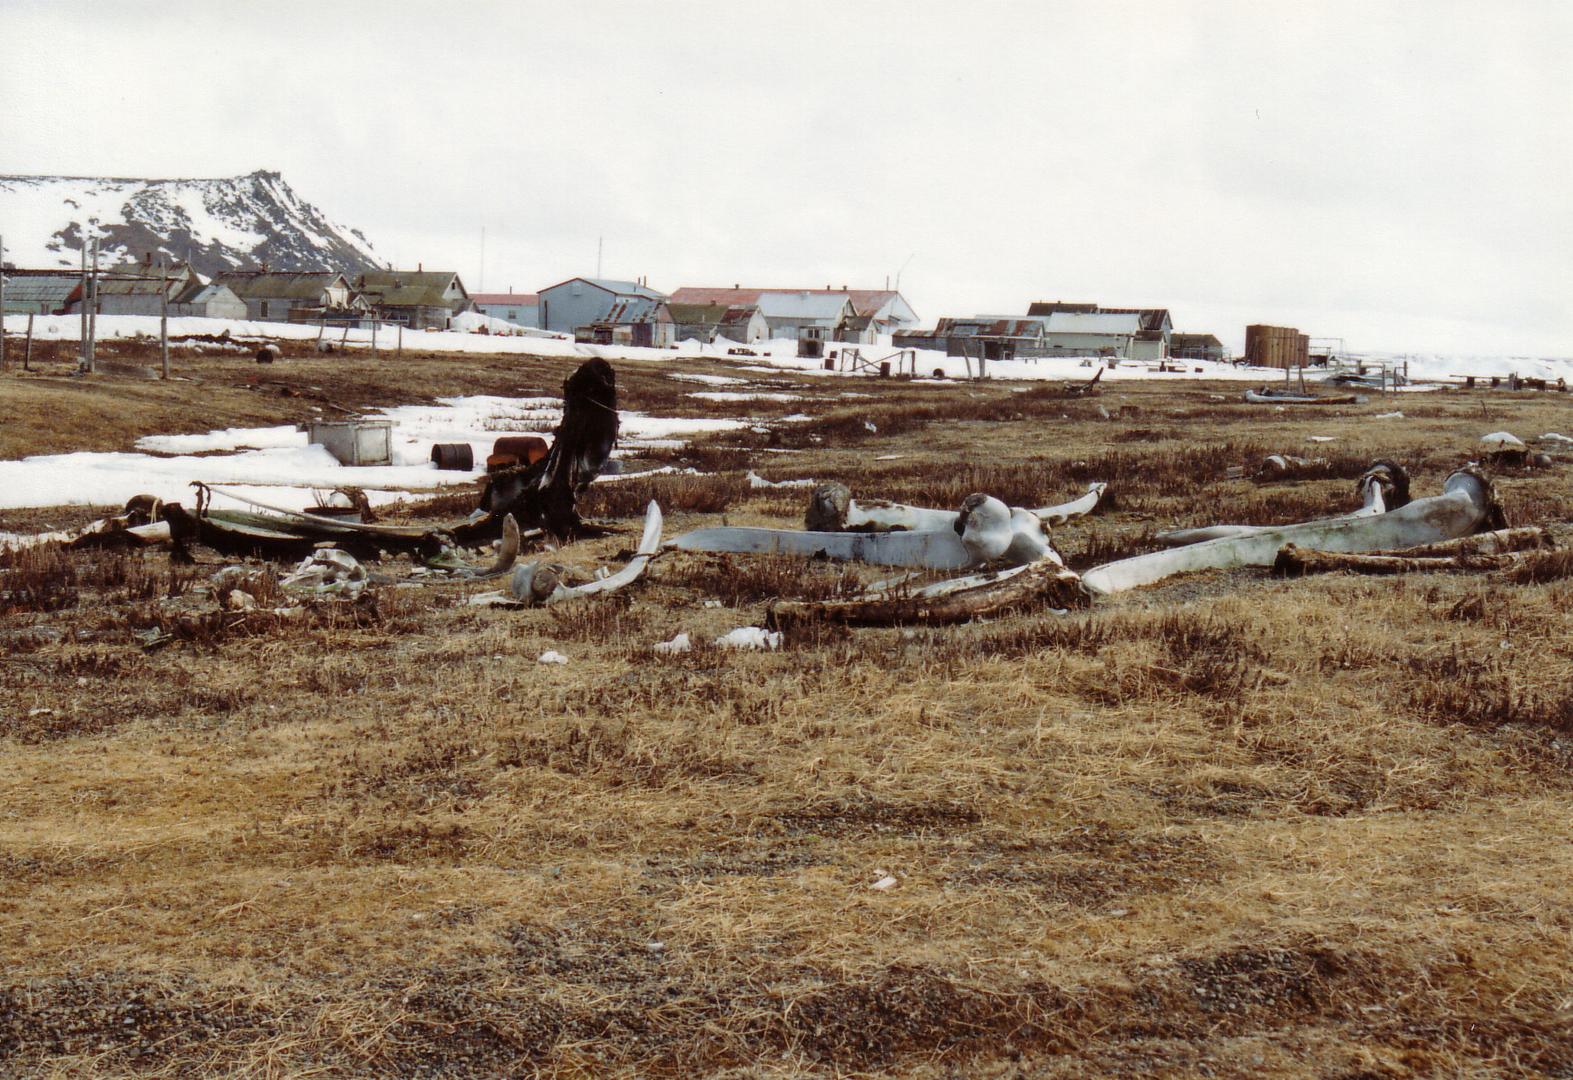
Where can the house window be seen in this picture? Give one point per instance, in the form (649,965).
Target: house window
(262,309)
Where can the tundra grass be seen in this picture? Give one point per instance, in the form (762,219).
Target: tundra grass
(1228,826)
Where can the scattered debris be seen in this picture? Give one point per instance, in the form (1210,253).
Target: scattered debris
(749,637)
(885,883)
(679,644)
(1388,416)
(538,584)
(544,493)
(328,571)
(551,656)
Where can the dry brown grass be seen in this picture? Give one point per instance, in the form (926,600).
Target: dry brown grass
(1230,826)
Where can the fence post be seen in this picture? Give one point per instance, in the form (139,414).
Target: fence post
(27,350)
(2,303)
(163,322)
(82,336)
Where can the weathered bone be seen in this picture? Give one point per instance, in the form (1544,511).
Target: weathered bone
(1467,501)
(1042,583)
(985,530)
(1485,551)
(832,509)
(540,584)
(1385,485)
(463,573)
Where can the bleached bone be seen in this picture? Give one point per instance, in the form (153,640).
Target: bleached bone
(538,584)
(1467,501)
(1043,583)
(507,555)
(1379,487)
(1264,396)
(984,531)
(1484,551)
(832,509)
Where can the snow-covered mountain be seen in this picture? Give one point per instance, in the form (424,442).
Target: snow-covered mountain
(230,223)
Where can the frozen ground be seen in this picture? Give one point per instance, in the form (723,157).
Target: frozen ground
(278,465)
(771,354)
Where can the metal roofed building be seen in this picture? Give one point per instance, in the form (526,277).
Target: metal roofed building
(1152,337)
(1074,333)
(886,311)
(521,309)
(582,301)
(39,292)
(705,322)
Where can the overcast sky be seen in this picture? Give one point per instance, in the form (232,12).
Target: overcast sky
(1396,174)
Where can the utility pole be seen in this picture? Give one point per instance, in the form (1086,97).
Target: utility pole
(598,256)
(163,319)
(2,303)
(481,286)
(92,313)
(82,304)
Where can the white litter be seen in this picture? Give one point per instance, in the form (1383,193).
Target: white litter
(1388,416)
(868,425)
(885,884)
(1320,438)
(551,656)
(1554,437)
(749,637)
(679,644)
(757,481)
(1503,440)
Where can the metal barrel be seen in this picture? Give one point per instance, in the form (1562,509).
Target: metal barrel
(528,449)
(455,456)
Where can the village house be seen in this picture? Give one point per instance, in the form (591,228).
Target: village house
(521,309)
(1151,340)
(810,318)
(875,312)
(1074,333)
(989,337)
(419,299)
(208,301)
(706,322)
(581,301)
(139,288)
(295,295)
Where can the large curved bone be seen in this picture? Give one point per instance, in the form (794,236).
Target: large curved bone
(1042,583)
(1384,485)
(1467,501)
(540,584)
(984,531)
(832,509)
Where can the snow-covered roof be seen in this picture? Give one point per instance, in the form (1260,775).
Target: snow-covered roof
(1069,322)
(613,285)
(802,305)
